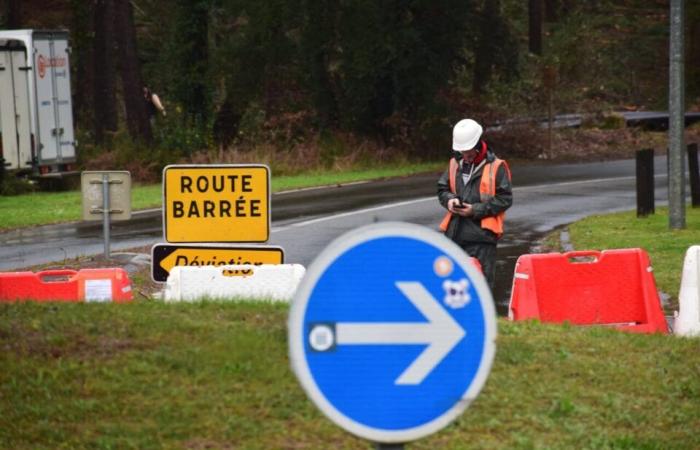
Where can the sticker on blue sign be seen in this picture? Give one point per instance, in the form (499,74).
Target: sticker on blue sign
(392,332)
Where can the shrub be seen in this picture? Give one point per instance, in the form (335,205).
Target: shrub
(11,185)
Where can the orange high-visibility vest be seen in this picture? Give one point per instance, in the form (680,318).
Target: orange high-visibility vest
(487,189)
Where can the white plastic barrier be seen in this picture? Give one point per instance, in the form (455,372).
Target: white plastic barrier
(276,282)
(687,320)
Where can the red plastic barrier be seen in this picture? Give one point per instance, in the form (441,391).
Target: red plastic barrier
(476,263)
(89,285)
(612,287)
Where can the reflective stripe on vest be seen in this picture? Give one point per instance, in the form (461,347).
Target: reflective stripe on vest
(487,190)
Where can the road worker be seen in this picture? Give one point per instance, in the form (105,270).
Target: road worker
(153,104)
(476,191)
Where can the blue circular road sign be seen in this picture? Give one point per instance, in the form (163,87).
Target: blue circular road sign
(392,332)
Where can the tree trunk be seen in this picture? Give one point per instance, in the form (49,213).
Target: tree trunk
(535,26)
(104,96)
(693,57)
(81,59)
(14,14)
(550,10)
(226,122)
(137,119)
(190,85)
(318,43)
(487,46)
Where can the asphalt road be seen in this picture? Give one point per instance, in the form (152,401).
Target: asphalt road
(545,197)
(305,221)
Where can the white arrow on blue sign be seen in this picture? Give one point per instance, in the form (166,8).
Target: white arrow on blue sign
(392,332)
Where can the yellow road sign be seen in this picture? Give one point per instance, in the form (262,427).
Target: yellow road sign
(216,203)
(166,256)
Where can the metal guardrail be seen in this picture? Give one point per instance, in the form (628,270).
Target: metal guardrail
(652,120)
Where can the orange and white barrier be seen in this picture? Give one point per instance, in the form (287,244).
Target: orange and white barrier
(275,282)
(613,287)
(687,318)
(65,285)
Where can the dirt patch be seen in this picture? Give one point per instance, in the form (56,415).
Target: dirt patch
(24,341)
(203,443)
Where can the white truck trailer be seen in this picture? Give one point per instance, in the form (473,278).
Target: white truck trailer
(36,112)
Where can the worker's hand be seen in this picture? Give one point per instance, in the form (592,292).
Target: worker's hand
(464,210)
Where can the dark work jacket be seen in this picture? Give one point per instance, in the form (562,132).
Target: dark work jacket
(465,230)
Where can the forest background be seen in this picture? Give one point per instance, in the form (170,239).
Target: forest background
(329,85)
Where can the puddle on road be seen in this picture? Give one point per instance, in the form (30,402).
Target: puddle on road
(513,245)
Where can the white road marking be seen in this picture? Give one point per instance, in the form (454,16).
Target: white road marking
(434,198)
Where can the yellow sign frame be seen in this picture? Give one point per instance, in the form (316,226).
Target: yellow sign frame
(216,203)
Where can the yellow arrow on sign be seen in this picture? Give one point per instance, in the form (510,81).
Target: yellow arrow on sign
(212,256)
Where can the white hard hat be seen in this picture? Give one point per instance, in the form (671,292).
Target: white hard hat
(465,135)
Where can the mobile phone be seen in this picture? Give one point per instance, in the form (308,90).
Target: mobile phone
(460,203)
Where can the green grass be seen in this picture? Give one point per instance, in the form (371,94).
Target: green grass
(53,207)
(327,178)
(216,375)
(666,248)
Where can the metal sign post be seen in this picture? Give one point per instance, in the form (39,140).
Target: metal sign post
(105,211)
(106,193)
(676,120)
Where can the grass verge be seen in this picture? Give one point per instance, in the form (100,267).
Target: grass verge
(53,207)
(665,247)
(216,375)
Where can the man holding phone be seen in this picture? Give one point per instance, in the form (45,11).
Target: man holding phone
(476,191)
